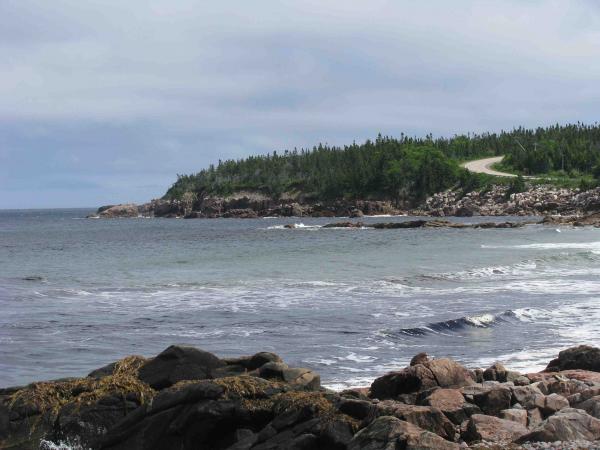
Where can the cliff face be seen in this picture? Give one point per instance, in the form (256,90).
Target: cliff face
(537,200)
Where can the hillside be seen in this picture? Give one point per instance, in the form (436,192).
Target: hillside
(405,170)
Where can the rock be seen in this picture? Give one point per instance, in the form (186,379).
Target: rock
(554,403)
(494,400)
(534,417)
(591,406)
(244,213)
(566,425)
(178,363)
(497,372)
(516,415)
(451,402)
(126,210)
(261,358)
(359,409)
(489,428)
(91,420)
(528,397)
(426,417)
(583,357)
(441,372)
(420,358)
(387,433)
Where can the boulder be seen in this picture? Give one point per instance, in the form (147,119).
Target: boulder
(569,424)
(591,406)
(583,357)
(419,358)
(497,372)
(178,363)
(442,372)
(554,403)
(426,417)
(528,397)
(515,415)
(451,402)
(488,428)
(494,400)
(387,433)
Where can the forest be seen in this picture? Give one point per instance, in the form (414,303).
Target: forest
(404,169)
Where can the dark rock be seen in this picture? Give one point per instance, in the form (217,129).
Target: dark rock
(583,357)
(336,434)
(261,358)
(178,363)
(420,358)
(359,409)
(441,372)
(494,400)
(497,372)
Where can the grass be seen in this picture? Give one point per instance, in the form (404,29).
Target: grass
(558,179)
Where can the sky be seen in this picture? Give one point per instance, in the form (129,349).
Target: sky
(105,102)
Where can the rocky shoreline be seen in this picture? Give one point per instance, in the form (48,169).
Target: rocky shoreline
(497,201)
(187,398)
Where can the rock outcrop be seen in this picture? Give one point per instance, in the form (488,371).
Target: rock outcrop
(186,398)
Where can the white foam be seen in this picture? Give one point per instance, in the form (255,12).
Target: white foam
(592,246)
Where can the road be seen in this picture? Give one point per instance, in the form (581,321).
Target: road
(484,166)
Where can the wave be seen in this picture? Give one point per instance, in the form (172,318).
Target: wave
(486,320)
(591,246)
(294,226)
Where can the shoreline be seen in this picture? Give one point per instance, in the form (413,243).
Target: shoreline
(496,201)
(188,398)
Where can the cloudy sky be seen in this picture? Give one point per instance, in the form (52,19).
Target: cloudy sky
(106,101)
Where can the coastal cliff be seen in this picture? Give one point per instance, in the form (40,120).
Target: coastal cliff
(187,398)
(496,201)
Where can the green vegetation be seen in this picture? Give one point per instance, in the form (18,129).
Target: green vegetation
(405,169)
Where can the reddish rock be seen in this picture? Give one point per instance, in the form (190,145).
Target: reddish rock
(392,433)
(489,428)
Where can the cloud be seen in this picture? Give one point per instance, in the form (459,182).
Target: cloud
(117,90)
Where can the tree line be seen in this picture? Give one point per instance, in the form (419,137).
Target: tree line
(406,169)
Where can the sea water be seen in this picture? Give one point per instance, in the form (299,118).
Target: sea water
(76,294)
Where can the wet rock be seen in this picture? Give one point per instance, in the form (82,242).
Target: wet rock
(178,363)
(583,357)
(391,433)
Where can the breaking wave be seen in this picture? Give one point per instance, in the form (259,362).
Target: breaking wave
(479,321)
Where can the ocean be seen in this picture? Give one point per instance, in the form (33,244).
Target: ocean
(352,304)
